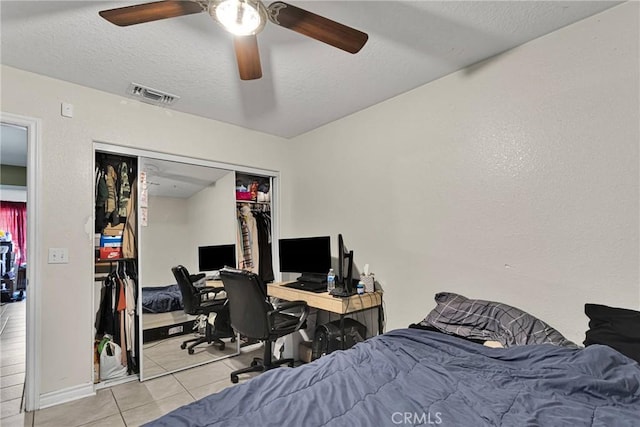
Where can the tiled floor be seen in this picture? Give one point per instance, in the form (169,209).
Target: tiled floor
(130,404)
(12,366)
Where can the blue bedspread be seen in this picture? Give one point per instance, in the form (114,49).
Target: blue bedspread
(161,299)
(416,377)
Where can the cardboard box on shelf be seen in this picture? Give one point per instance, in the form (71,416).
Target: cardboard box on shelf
(111,230)
(110,241)
(110,253)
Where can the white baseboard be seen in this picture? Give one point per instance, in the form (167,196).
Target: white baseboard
(66,395)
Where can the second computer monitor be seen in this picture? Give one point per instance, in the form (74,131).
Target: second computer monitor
(305,255)
(211,258)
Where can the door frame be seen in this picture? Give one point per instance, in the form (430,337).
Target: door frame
(33,330)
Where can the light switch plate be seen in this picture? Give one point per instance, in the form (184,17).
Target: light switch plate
(58,255)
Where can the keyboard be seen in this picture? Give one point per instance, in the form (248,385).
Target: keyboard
(307,286)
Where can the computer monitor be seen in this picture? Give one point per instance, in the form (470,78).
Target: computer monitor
(310,256)
(345,270)
(212,258)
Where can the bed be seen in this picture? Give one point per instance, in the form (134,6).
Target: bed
(163,313)
(161,299)
(423,376)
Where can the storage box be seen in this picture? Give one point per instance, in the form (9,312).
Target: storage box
(304,351)
(243,195)
(110,241)
(110,253)
(111,230)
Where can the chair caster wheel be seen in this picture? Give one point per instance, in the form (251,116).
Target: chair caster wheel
(254,363)
(191,351)
(183,346)
(234,379)
(221,346)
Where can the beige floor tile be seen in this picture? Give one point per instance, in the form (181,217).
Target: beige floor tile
(203,375)
(78,412)
(244,359)
(11,360)
(13,336)
(135,394)
(151,411)
(214,387)
(9,380)
(112,421)
(151,369)
(10,352)
(12,369)
(13,344)
(23,419)
(11,392)
(10,408)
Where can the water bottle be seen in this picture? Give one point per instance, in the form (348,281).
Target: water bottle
(331,280)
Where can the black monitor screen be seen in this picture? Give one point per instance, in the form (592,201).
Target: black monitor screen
(305,255)
(212,258)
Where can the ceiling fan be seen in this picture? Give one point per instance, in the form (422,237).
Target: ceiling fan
(245,19)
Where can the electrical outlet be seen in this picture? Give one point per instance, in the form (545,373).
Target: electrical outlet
(58,255)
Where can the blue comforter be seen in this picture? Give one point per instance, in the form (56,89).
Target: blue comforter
(161,299)
(416,377)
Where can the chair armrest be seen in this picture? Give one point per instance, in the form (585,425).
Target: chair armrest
(304,308)
(207,290)
(195,277)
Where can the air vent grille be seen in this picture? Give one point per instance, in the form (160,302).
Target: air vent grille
(152,96)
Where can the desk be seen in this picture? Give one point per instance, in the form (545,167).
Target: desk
(324,301)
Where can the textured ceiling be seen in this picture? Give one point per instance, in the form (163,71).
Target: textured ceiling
(305,83)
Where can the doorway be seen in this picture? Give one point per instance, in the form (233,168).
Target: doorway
(18,328)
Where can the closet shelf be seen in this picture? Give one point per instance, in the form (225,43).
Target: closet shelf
(253,202)
(111,261)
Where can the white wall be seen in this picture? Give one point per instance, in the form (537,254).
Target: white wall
(212,217)
(514,180)
(65,209)
(164,242)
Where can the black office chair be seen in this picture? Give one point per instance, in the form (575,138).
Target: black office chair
(253,316)
(197,301)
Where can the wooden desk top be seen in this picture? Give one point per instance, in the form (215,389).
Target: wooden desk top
(324,301)
(214,283)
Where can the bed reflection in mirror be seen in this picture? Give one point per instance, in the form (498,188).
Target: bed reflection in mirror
(185,207)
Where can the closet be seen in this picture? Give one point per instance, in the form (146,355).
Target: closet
(116,332)
(255,228)
(177,205)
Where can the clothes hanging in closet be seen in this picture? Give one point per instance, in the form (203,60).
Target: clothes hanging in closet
(248,250)
(263,222)
(117,314)
(113,178)
(254,250)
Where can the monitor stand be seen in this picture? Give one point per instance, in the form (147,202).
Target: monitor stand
(312,278)
(342,292)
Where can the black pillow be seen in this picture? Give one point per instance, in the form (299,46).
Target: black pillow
(619,328)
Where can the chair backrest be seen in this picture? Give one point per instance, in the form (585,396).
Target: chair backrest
(190,297)
(248,303)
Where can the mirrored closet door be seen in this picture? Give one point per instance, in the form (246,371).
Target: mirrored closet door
(188,216)
(183,208)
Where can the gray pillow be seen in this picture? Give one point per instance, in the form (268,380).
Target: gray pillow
(490,321)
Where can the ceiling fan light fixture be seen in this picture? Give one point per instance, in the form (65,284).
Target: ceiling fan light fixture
(239,17)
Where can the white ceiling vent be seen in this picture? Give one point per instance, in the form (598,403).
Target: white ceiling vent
(152,96)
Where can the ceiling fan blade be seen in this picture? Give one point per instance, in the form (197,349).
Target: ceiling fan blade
(317,27)
(248,57)
(138,14)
